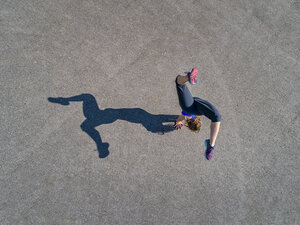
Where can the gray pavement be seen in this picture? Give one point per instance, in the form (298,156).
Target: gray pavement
(126,54)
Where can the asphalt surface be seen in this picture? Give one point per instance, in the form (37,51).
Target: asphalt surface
(120,59)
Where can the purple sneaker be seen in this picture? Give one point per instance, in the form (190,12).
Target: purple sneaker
(209,150)
(193,76)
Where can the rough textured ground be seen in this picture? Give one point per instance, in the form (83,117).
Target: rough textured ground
(126,54)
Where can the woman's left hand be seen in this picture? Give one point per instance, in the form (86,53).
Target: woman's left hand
(178,125)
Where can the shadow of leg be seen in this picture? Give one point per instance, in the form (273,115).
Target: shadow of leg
(88,127)
(59,100)
(103,150)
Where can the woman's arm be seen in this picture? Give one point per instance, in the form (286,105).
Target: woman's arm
(179,123)
(180,118)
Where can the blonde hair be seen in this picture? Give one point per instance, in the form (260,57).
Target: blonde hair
(193,124)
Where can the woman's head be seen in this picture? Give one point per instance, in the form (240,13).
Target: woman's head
(194,124)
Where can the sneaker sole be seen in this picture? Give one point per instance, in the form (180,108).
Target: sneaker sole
(190,74)
(206,144)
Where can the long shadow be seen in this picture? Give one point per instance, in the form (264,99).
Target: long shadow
(96,117)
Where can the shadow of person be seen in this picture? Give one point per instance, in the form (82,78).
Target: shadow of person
(96,117)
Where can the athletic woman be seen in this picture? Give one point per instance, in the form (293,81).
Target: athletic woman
(193,107)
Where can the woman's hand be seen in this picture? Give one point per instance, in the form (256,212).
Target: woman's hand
(178,125)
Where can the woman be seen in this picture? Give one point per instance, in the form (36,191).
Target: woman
(193,107)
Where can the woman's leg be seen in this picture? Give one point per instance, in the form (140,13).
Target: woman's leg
(182,79)
(185,98)
(214,130)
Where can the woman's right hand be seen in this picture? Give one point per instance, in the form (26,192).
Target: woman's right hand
(178,125)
